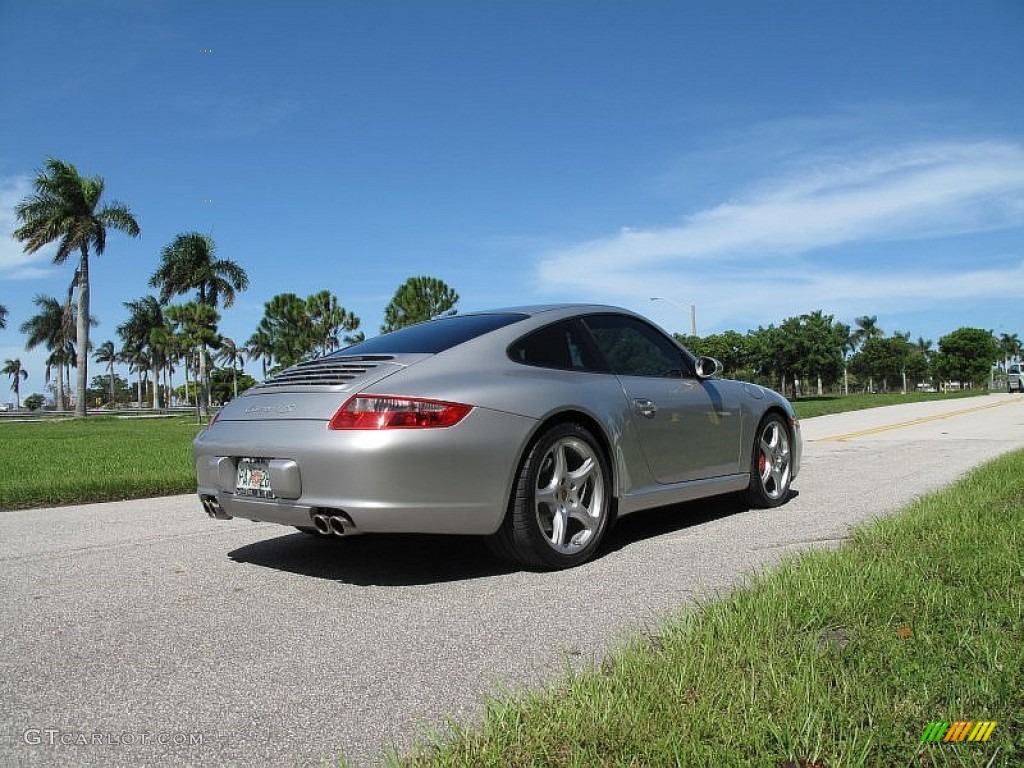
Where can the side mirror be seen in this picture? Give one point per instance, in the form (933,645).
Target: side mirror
(708,368)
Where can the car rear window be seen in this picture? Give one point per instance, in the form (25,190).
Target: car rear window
(433,336)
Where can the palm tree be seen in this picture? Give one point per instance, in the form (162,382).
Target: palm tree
(144,315)
(105,353)
(198,326)
(167,351)
(867,328)
(190,263)
(1009,348)
(53,327)
(66,208)
(231,356)
(3,317)
(13,369)
(260,346)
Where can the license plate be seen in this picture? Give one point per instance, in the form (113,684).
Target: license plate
(253,479)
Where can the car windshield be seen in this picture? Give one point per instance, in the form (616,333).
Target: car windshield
(431,337)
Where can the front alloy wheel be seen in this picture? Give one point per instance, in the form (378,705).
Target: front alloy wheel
(562,502)
(771,464)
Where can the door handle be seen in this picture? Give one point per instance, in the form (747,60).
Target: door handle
(646,407)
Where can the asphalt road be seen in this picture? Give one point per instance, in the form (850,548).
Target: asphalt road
(144,633)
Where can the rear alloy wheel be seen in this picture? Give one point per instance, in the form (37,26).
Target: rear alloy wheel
(771,469)
(562,502)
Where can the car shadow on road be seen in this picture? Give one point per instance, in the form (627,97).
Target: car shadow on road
(651,523)
(409,560)
(376,560)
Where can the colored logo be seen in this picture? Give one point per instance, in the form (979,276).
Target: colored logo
(963,730)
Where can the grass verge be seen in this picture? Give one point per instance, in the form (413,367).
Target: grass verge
(807,407)
(101,458)
(834,659)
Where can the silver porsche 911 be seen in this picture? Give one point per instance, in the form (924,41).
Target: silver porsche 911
(534,427)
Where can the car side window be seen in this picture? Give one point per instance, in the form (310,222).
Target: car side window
(561,345)
(634,348)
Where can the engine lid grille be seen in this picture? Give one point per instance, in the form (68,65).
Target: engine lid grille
(326,372)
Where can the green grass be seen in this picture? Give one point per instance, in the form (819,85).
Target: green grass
(807,407)
(101,458)
(834,659)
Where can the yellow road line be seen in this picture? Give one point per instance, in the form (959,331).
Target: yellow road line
(913,422)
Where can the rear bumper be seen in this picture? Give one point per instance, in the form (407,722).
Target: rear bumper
(450,481)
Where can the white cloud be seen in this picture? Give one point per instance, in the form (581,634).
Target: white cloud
(921,192)
(15,264)
(784,245)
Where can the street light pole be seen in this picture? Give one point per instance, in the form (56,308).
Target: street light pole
(691,307)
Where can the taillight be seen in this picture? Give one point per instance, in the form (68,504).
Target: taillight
(388,412)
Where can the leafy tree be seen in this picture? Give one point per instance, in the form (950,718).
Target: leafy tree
(112,389)
(804,347)
(189,264)
(13,369)
(35,401)
(890,358)
(287,325)
(731,348)
(197,324)
(293,329)
(328,320)
(966,355)
(225,384)
(66,208)
(419,299)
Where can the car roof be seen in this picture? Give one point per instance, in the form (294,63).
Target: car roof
(539,309)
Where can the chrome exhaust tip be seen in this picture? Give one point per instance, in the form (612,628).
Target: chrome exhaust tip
(213,508)
(322,524)
(341,526)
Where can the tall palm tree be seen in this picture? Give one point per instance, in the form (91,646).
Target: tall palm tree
(13,369)
(3,317)
(189,264)
(105,353)
(52,327)
(65,208)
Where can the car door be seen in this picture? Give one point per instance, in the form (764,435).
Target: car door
(688,428)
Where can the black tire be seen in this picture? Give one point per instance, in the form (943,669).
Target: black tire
(564,524)
(771,463)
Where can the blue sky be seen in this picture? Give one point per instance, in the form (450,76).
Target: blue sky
(756,159)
